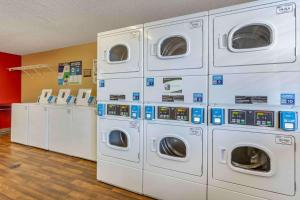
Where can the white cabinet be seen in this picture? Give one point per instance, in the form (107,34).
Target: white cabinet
(38,126)
(60,123)
(19,123)
(83,135)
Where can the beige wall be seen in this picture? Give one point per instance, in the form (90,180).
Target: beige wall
(32,86)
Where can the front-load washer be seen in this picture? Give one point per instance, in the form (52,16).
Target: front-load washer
(260,36)
(120,133)
(175,140)
(120,53)
(252,153)
(177,46)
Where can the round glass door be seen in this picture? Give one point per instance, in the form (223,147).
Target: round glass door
(118,53)
(173,147)
(251,158)
(251,37)
(118,139)
(173,47)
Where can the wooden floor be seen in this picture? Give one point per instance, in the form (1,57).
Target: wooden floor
(30,173)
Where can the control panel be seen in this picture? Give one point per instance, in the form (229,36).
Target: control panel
(118,110)
(251,117)
(217,116)
(135,112)
(288,120)
(173,113)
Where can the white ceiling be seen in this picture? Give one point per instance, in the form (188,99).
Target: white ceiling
(28,26)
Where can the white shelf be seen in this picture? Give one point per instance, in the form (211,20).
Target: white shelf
(29,68)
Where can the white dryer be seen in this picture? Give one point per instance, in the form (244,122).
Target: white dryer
(175,152)
(252,153)
(175,138)
(260,36)
(177,46)
(120,53)
(120,133)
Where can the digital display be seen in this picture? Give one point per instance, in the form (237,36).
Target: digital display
(173,113)
(251,117)
(118,110)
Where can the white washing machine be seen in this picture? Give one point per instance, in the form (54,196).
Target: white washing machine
(19,123)
(252,153)
(177,46)
(38,126)
(120,53)
(175,143)
(120,133)
(261,36)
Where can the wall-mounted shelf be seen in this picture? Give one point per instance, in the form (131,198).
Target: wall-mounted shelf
(29,68)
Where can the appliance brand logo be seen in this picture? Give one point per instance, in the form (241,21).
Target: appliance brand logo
(287,8)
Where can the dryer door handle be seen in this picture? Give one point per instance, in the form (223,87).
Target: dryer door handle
(223,41)
(153,49)
(153,144)
(103,136)
(104,58)
(223,155)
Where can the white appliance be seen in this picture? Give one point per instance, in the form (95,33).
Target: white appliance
(60,124)
(260,36)
(120,133)
(175,165)
(252,153)
(176,46)
(37,126)
(120,53)
(84,132)
(46,96)
(19,123)
(63,97)
(84,97)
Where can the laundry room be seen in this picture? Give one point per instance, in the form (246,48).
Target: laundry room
(142,100)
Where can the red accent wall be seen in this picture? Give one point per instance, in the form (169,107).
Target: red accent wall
(10,85)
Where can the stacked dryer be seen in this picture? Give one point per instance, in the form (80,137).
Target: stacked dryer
(254,102)
(175,100)
(120,98)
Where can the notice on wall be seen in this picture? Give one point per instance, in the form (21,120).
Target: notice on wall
(70,73)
